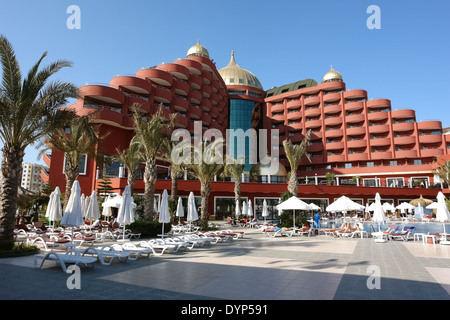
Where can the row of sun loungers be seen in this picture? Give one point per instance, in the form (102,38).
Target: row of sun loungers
(123,251)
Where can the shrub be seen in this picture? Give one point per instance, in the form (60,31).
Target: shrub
(149,228)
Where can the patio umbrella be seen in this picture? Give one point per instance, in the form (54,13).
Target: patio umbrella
(265,211)
(180,209)
(314,206)
(106,211)
(344,204)
(92,212)
(83,201)
(87,200)
(378,215)
(388,207)
(54,209)
(442,213)
(434,205)
(250,210)
(404,206)
(244,208)
(237,210)
(192,214)
(164,216)
(126,209)
(421,200)
(293,203)
(73,215)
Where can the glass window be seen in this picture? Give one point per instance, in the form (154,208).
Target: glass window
(393,162)
(418,161)
(231,80)
(348,165)
(370,164)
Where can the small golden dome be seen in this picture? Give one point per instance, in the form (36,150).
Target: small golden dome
(198,50)
(332,75)
(232,74)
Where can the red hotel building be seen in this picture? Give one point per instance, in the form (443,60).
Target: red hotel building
(368,147)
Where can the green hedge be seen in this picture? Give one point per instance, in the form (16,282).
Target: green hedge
(149,229)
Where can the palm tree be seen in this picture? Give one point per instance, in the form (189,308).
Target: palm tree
(130,158)
(151,136)
(176,169)
(294,154)
(205,171)
(29,110)
(81,139)
(235,168)
(443,172)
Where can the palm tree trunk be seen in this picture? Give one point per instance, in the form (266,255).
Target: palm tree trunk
(11,174)
(131,180)
(205,191)
(150,176)
(72,174)
(237,193)
(174,187)
(293,183)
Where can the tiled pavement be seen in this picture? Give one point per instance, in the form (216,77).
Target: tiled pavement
(253,268)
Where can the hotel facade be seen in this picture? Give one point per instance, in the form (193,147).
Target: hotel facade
(366,145)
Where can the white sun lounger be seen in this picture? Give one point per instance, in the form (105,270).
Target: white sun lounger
(106,254)
(63,259)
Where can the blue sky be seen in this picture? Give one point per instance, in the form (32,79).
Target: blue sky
(406,61)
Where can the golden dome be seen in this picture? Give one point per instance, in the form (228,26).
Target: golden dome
(198,50)
(232,74)
(332,75)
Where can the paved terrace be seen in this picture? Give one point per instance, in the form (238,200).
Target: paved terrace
(253,268)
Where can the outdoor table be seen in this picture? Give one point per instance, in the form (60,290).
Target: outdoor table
(427,236)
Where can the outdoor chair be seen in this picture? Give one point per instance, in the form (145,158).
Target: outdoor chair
(63,259)
(106,254)
(404,234)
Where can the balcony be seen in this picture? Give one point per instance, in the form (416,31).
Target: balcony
(335,145)
(293,104)
(355,94)
(357,156)
(294,115)
(181,88)
(181,122)
(312,112)
(381,155)
(195,113)
(105,94)
(405,140)
(134,84)
(277,107)
(180,104)
(431,152)
(379,142)
(311,101)
(380,128)
(157,76)
(196,82)
(334,133)
(336,158)
(403,114)
(406,154)
(278,117)
(355,118)
(356,131)
(355,144)
(162,94)
(379,103)
(313,124)
(429,125)
(333,121)
(354,106)
(374,116)
(295,126)
(177,70)
(331,109)
(403,126)
(431,138)
(195,96)
(331,97)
